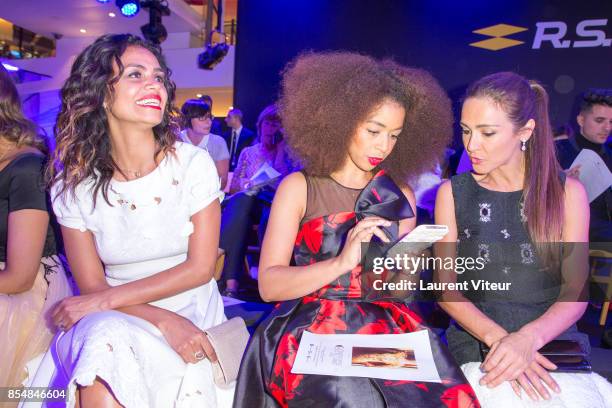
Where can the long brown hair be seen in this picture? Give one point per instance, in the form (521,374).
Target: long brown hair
(543,192)
(14,126)
(83,150)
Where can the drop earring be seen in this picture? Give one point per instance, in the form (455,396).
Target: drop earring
(523,145)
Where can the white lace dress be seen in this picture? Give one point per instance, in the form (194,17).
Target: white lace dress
(145,231)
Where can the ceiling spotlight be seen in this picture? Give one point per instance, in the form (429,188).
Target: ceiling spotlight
(103,1)
(213,54)
(128,8)
(154,31)
(83,30)
(198,95)
(111,14)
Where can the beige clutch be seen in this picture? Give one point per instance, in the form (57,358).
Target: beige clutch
(229,339)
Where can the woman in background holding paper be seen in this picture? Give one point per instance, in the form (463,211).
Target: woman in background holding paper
(259,170)
(350,120)
(514,211)
(269,153)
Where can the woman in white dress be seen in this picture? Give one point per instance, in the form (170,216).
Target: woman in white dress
(140,218)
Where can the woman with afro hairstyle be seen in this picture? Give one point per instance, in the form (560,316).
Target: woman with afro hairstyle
(361,128)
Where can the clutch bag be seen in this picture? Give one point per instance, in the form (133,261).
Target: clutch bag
(567,355)
(229,339)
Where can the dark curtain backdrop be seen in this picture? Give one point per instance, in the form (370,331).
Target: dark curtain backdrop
(434,35)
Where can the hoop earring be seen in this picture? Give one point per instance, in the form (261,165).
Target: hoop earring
(523,145)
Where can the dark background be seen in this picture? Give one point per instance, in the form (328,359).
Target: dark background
(434,35)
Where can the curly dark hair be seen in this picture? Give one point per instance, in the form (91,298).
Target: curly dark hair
(14,126)
(326,96)
(83,149)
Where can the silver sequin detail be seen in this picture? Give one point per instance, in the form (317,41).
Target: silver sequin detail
(485,212)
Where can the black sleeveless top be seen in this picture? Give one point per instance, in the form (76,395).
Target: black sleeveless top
(22,187)
(490,225)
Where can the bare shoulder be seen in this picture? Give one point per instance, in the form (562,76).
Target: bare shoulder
(407,190)
(290,198)
(574,192)
(445,191)
(293,184)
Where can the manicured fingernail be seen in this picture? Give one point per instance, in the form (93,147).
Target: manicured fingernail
(557,389)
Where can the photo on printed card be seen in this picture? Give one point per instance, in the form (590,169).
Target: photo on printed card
(383,357)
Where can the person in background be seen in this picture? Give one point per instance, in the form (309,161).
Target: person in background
(217,126)
(32,278)
(250,203)
(595,122)
(197,119)
(271,149)
(238,138)
(513,211)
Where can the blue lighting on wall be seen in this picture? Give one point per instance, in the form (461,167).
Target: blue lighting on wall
(10,67)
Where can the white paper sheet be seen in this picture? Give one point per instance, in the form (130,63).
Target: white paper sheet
(264,175)
(405,356)
(594,174)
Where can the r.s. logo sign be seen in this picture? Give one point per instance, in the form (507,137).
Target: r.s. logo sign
(590,33)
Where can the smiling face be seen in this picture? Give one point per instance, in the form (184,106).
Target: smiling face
(489,137)
(376,137)
(596,123)
(139,95)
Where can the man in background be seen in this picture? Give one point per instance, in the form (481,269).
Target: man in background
(595,122)
(238,137)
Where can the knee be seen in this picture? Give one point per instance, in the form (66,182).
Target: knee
(101,323)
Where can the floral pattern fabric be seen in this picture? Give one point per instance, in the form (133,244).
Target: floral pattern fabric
(265,378)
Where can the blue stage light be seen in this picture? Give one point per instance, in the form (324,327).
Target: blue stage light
(103,1)
(128,8)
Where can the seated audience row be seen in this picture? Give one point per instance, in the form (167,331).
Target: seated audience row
(141,222)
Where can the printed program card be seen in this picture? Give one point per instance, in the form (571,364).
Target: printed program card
(405,356)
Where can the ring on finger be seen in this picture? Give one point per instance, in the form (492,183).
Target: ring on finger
(199,355)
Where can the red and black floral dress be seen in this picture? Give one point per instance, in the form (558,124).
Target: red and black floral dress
(265,378)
